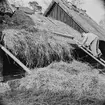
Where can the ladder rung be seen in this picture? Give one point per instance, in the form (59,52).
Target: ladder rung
(101,62)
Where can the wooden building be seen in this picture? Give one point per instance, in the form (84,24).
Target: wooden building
(74,17)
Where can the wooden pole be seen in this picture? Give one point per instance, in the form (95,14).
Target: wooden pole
(15,59)
(101,61)
(62,35)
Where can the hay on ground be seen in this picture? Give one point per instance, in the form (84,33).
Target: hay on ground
(60,83)
(82,82)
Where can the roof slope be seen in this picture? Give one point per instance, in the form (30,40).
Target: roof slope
(55,26)
(80,17)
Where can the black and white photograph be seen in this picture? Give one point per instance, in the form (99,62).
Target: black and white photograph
(52,52)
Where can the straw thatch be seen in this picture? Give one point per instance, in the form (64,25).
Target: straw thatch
(36,49)
(73,83)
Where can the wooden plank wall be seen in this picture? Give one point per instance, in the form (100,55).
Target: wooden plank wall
(59,14)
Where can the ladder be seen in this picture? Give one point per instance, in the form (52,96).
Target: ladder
(99,60)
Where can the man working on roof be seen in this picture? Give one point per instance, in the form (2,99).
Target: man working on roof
(91,41)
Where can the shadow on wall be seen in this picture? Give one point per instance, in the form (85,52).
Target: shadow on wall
(102,47)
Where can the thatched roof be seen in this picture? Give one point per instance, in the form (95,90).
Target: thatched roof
(53,25)
(79,16)
(31,39)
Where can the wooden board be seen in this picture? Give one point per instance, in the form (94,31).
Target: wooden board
(99,60)
(15,59)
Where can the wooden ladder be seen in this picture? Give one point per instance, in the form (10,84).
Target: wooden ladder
(99,60)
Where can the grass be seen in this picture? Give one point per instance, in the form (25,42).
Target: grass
(58,84)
